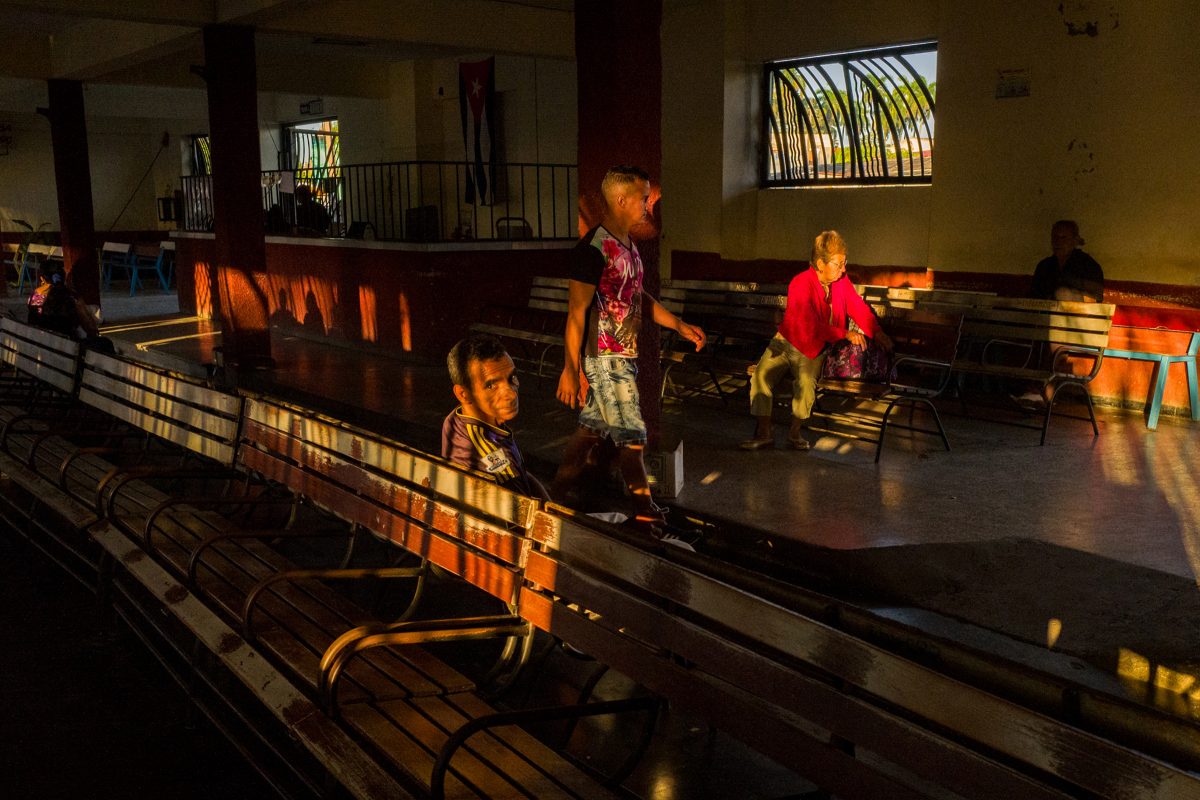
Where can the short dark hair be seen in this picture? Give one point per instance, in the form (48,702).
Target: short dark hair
(476,347)
(49,269)
(622,175)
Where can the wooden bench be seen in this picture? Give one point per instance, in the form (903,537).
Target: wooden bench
(924,347)
(537,330)
(374,676)
(1034,341)
(402,700)
(859,719)
(462,525)
(534,332)
(739,319)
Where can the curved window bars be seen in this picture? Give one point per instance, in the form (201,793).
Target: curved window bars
(860,117)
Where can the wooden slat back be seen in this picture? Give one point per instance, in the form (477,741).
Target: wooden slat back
(43,250)
(116,248)
(542,282)
(579,565)
(167,245)
(415,502)
(166,405)
(46,356)
(924,334)
(726,287)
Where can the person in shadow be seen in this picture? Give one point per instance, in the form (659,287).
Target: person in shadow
(312,219)
(53,306)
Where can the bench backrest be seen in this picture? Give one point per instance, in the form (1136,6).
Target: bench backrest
(164,404)
(924,334)
(551,294)
(464,524)
(47,356)
(766,670)
(1020,319)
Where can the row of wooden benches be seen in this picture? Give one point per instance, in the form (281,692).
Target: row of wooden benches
(938,333)
(365,696)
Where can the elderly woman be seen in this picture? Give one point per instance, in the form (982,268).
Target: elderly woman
(820,300)
(54,306)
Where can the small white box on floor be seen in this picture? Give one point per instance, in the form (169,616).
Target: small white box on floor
(665,470)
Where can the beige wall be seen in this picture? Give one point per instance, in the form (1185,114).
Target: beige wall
(1107,134)
(125,132)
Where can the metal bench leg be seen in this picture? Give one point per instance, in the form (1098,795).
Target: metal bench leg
(1049,411)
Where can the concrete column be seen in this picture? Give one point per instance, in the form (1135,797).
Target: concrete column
(240,251)
(619,62)
(73,181)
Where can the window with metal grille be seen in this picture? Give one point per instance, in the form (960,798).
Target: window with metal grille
(862,117)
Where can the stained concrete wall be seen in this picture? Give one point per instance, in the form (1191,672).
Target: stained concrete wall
(1106,134)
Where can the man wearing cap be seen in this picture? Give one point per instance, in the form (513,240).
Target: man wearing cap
(1070,273)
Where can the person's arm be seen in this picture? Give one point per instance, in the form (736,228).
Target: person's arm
(858,310)
(85,318)
(666,319)
(572,384)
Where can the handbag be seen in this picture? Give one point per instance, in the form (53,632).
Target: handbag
(847,361)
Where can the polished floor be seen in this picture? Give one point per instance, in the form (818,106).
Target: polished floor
(1087,546)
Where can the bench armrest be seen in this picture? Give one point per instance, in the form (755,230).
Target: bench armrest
(354,641)
(942,368)
(1061,354)
(1009,343)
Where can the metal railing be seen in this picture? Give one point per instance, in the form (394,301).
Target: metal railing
(417,201)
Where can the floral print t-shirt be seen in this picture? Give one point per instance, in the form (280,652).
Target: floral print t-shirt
(615,316)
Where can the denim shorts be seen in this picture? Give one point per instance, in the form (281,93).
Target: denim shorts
(612,405)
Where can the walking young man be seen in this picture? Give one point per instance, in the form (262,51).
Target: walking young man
(605,309)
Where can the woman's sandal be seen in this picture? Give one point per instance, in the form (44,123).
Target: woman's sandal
(800,444)
(757,444)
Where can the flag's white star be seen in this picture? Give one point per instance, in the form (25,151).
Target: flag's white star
(476,87)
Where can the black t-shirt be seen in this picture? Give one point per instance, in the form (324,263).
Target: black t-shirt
(1080,272)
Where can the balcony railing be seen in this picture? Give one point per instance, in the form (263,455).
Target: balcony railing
(416,201)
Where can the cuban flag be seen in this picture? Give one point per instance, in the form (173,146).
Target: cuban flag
(477,104)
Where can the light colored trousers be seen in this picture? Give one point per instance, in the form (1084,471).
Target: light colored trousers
(780,357)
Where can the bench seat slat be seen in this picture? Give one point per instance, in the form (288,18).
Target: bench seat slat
(502,762)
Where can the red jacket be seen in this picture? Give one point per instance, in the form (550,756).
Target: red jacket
(809,322)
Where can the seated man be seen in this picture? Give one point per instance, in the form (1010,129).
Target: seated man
(1070,273)
(312,218)
(475,435)
(819,301)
